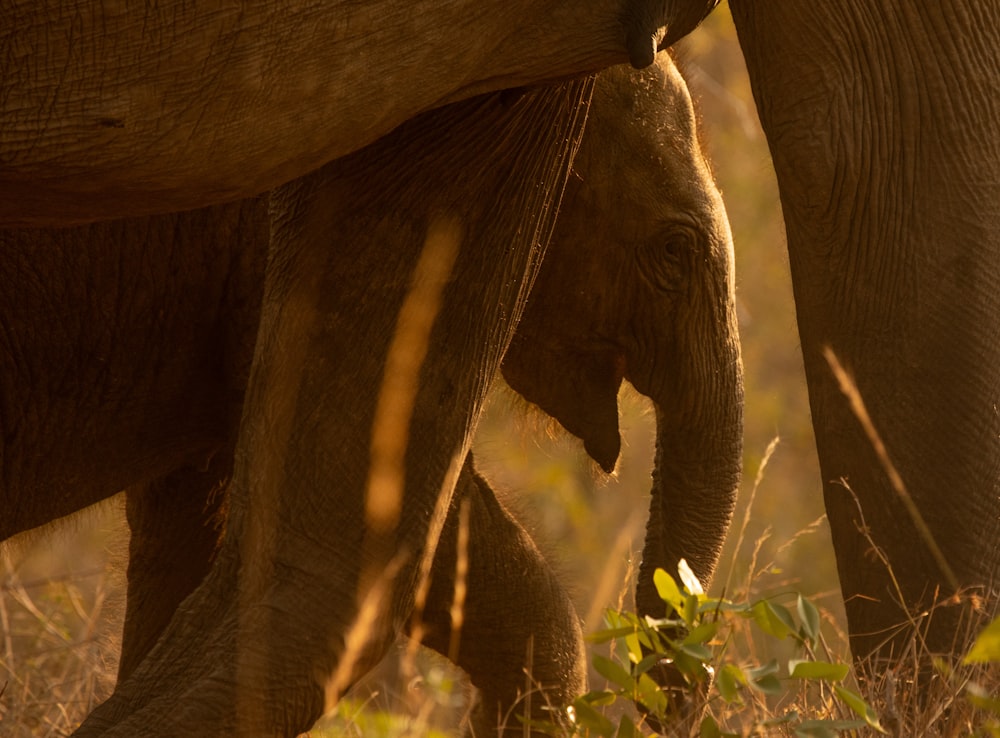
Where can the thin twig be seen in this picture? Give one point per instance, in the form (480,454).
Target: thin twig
(850,391)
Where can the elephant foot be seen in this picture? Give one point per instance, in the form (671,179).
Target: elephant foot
(210,676)
(168,672)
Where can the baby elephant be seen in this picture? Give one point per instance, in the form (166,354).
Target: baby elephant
(637,283)
(136,338)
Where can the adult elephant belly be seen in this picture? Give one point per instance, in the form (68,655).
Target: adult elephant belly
(370,368)
(182,106)
(125,348)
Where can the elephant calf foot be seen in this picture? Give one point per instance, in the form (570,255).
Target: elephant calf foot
(520,639)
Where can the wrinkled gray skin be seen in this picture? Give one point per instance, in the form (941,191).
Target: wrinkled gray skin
(111,110)
(668,252)
(157,344)
(881,118)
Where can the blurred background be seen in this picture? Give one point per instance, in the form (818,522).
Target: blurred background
(61,593)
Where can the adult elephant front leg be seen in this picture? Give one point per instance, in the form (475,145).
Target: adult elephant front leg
(881,118)
(262,646)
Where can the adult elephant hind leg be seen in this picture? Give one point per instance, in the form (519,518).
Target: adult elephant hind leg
(176,524)
(517,634)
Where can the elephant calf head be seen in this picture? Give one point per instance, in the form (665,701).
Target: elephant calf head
(637,284)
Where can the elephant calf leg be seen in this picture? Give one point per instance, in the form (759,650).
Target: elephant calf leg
(519,638)
(175,523)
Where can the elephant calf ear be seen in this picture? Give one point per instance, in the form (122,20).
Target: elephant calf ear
(580,390)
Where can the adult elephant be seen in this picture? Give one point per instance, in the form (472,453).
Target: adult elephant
(151,323)
(881,119)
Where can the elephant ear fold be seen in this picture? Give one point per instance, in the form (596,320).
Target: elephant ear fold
(580,390)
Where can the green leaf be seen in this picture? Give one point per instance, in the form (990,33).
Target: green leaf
(627,729)
(634,647)
(647,663)
(981,698)
(728,682)
(697,651)
(654,633)
(688,578)
(600,697)
(613,672)
(690,613)
(764,678)
(709,728)
(767,684)
(703,633)
(609,634)
(987,645)
(771,667)
(809,616)
(691,666)
(859,706)
(651,696)
(773,619)
(587,717)
(789,717)
(668,590)
(942,667)
(741,608)
(822,670)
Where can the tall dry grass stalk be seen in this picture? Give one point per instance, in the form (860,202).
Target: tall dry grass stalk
(850,390)
(390,438)
(60,631)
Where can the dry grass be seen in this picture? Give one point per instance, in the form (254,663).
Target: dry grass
(60,618)
(59,656)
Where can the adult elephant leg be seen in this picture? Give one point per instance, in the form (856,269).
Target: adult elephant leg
(176,524)
(518,635)
(881,118)
(268,639)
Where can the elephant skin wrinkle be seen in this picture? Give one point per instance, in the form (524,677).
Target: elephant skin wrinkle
(187,106)
(277,383)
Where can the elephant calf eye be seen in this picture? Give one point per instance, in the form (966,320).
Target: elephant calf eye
(664,261)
